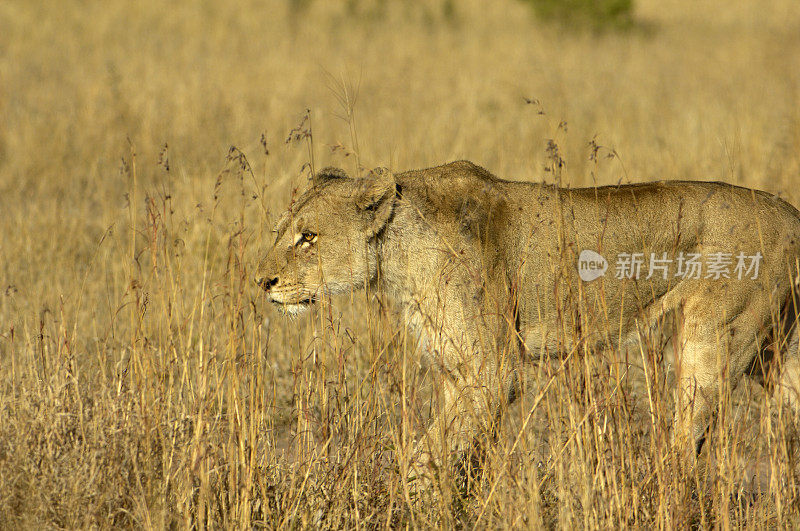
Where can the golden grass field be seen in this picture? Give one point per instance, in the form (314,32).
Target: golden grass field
(144,382)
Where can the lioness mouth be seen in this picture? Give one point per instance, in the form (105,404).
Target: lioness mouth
(302,302)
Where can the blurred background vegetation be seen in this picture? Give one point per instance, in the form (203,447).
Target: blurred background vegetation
(597,14)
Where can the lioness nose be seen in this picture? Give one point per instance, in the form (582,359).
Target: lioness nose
(265,282)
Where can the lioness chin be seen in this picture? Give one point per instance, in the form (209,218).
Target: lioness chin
(493,272)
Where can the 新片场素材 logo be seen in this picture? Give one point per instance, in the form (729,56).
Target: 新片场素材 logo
(715,266)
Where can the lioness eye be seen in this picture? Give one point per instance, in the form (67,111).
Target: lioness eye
(309,236)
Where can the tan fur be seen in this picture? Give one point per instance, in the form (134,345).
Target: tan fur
(486,270)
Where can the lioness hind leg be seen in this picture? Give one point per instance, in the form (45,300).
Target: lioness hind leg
(790,372)
(696,396)
(712,352)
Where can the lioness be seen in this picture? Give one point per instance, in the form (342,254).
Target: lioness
(491,272)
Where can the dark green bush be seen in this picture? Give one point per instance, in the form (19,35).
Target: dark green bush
(593,13)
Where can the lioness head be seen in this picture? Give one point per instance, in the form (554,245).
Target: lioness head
(325,243)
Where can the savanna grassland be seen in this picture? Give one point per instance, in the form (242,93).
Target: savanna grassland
(145,382)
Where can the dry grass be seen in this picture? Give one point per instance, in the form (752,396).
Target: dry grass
(144,382)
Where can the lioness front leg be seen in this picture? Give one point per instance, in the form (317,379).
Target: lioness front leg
(457,438)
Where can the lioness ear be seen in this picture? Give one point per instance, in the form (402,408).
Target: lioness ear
(328,173)
(375,197)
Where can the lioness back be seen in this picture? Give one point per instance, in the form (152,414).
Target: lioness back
(537,232)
